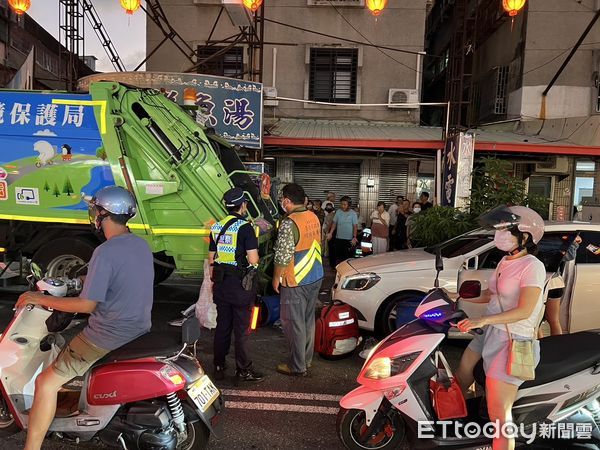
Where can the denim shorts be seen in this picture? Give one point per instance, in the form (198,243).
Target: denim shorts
(493,346)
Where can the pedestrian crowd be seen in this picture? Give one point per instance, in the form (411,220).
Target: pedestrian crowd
(389,227)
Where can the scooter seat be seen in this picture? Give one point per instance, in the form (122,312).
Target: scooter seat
(560,357)
(155,343)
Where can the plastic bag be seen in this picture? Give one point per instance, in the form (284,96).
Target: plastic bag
(206,310)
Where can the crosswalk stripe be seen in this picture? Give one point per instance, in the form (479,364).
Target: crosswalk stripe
(281,407)
(283,395)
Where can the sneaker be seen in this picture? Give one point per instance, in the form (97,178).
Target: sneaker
(284,369)
(219,374)
(249,375)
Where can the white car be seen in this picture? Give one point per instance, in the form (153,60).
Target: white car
(383,287)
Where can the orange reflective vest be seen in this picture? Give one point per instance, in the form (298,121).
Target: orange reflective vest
(306,266)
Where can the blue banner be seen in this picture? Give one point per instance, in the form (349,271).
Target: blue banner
(232,107)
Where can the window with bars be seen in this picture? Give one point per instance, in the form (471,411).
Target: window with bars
(221,63)
(333,75)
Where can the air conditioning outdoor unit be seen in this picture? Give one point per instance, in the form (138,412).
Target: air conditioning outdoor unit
(403,99)
(560,165)
(270,96)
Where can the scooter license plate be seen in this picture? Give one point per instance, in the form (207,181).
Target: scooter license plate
(203,393)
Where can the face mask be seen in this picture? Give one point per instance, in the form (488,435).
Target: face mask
(505,241)
(417,210)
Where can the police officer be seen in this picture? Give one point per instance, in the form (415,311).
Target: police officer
(233,248)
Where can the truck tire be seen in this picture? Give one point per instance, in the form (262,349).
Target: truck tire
(65,256)
(163,267)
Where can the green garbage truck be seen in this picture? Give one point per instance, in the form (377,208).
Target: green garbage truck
(56,147)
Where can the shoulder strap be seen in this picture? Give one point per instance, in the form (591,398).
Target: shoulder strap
(222,232)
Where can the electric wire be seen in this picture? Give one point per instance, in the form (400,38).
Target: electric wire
(370,42)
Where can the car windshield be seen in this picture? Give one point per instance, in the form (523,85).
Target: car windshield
(462,245)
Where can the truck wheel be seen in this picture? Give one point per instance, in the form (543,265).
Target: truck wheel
(351,427)
(163,267)
(64,257)
(404,304)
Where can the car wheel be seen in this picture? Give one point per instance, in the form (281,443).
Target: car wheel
(398,310)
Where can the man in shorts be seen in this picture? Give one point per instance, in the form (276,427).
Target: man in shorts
(118,295)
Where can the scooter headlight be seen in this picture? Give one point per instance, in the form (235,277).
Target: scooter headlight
(382,368)
(360,281)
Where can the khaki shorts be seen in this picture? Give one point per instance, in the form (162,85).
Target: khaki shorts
(77,357)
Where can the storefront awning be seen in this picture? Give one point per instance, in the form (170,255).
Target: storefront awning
(385,135)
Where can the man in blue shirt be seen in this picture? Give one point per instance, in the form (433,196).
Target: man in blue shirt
(118,295)
(345,230)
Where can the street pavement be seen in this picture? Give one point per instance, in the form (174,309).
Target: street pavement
(281,412)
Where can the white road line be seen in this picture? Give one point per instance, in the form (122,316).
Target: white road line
(281,407)
(285,395)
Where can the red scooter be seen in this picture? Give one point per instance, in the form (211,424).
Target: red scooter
(149,394)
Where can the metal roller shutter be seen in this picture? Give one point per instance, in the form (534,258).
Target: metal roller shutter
(393,180)
(318,178)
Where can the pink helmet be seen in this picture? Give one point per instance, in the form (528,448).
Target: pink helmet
(529,222)
(526,220)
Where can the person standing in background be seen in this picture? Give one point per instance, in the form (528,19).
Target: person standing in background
(380,220)
(330,201)
(424,201)
(416,209)
(329,247)
(345,230)
(393,212)
(318,211)
(400,233)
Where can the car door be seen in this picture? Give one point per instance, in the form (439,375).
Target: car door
(584,306)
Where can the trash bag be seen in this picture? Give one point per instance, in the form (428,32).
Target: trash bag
(206,310)
(367,347)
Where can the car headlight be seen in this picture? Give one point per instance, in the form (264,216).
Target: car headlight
(382,368)
(360,281)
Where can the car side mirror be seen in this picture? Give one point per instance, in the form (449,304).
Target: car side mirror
(470,289)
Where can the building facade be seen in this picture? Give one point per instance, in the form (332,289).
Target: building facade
(333,52)
(495,69)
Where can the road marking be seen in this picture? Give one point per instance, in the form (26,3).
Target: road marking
(281,407)
(285,395)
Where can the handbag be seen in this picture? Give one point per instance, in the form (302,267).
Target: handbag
(446,394)
(521,360)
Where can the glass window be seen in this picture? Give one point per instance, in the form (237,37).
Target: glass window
(589,249)
(462,245)
(333,75)
(491,259)
(215,60)
(551,247)
(585,166)
(584,190)
(541,186)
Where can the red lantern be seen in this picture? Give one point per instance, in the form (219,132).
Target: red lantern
(512,7)
(130,6)
(376,6)
(253,5)
(19,6)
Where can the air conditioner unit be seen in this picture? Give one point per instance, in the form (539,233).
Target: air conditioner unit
(403,99)
(270,96)
(559,165)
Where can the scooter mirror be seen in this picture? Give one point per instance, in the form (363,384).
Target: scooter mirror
(470,289)
(439,261)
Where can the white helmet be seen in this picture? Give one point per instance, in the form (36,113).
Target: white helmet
(524,219)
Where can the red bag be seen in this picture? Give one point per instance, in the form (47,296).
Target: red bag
(446,394)
(336,331)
